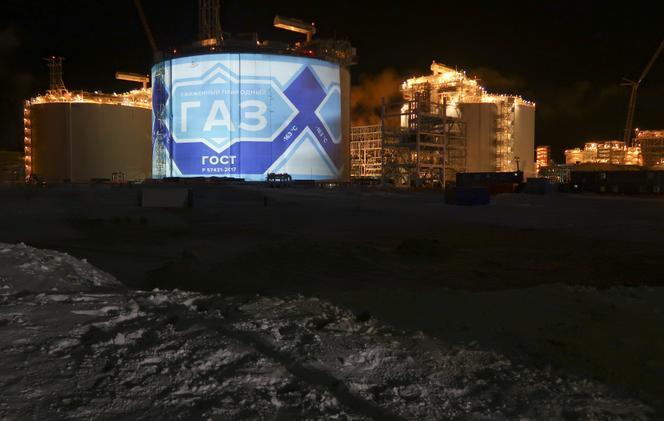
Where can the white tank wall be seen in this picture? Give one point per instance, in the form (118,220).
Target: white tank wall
(81,141)
(480,136)
(524,138)
(50,141)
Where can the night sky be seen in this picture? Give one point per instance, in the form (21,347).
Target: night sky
(568,57)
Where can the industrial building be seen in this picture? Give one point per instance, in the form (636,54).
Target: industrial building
(613,152)
(78,137)
(612,167)
(240,107)
(446,125)
(651,143)
(542,157)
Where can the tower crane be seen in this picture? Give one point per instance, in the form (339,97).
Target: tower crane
(632,97)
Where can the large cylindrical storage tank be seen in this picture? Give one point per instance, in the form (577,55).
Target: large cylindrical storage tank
(480,119)
(246,115)
(524,137)
(81,141)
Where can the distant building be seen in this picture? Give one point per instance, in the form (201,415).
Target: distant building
(543,157)
(604,152)
(652,146)
(574,156)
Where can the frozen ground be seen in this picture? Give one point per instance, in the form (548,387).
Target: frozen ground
(567,284)
(75,345)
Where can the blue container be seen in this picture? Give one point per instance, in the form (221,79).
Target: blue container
(472,196)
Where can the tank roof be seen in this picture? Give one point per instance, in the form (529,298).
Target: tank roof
(140,98)
(333,50)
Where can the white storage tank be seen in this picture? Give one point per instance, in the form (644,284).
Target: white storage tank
(80,137)
(480,118)
(524,137)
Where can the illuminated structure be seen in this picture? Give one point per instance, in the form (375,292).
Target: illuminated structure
(246,115)
(500,129)
(365,151)
(543,157)
(652,146)
(556,173)
(604,152)
(238,107)
(422,146)
(574,156)
(447,124)
(76,136)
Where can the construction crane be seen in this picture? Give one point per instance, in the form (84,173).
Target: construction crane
(632,97)
(133,77)
(146,26)
(295,25)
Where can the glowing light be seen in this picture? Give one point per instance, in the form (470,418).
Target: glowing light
(605,152)
(141,98)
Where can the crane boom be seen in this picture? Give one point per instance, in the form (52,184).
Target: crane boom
(627,138)
(651,62)
(146,26)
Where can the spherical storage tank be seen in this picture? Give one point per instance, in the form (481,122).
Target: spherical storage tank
(81,137)
(246,115)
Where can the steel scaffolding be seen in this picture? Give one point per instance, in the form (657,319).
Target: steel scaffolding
(505,135)
(365,151)
(421,145)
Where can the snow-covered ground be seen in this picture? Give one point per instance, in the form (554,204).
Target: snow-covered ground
(75,345)
(24,268)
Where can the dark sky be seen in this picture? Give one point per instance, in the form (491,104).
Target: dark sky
(568,57)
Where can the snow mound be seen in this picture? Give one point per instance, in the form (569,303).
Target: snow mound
(81,353)
(25,268)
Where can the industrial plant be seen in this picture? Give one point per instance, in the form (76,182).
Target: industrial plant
(244,108)
(243,231)
(447,124)
(225,106)
(630,165)
(605,152)
(647,152)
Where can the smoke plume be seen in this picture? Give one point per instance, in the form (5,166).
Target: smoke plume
(366,97)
